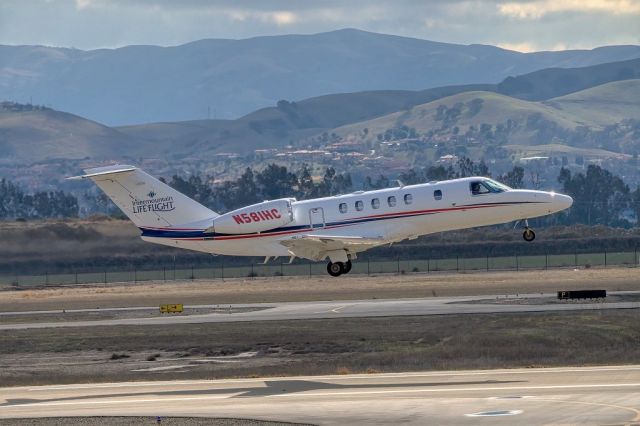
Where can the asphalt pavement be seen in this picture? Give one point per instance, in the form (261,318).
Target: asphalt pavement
(330,309)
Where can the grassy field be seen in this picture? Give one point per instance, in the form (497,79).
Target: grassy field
(298,289)
(275,348)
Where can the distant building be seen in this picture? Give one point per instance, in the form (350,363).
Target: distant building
(449,158)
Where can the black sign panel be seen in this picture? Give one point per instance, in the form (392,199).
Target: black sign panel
(582,294)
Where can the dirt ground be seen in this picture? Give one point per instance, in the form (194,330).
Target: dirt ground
(283,348)
(285,289)
(317,347)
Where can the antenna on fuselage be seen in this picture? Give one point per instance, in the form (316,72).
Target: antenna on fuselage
(400,183)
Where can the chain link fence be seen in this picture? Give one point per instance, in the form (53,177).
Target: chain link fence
(360,267)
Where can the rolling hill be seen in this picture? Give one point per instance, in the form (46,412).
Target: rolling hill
(141,84)
(601,105)
(36,134)
(29,135)
(595,108)
(291,121)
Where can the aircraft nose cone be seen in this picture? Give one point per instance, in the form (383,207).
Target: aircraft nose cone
(563,201)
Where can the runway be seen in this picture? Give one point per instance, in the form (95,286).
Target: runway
(329,309)
(595,395)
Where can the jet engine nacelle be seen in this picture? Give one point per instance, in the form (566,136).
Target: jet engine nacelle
(255,218)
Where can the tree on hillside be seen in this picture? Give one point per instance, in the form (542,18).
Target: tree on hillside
(513,178)
(15,203)
(599,197)
(276,182)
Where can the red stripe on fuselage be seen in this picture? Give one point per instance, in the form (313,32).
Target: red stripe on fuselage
(384,215)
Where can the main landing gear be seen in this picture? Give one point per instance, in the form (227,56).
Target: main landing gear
(528,233)
(336,269)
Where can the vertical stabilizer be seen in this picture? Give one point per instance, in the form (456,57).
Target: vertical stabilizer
(145,200)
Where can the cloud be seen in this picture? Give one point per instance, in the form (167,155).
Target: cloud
(522,25)
(82,4)
(519,47)
(282,17)
(539,8)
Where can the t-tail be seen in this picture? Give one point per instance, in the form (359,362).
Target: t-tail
(145,200)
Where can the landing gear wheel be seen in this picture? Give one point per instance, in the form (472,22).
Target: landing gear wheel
(335,269)
(347,267)
(529,235)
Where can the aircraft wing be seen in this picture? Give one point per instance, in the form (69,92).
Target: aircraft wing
(314,246)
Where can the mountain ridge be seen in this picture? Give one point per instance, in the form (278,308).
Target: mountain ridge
(231,78)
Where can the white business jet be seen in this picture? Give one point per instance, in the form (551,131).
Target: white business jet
(336,227)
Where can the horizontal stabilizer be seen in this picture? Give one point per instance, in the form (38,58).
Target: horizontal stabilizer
(100,171)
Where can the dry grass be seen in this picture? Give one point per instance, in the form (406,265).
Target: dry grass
(311,347)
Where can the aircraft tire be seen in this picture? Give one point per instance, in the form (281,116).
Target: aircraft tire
(347,267)
(529,235)
(335,269)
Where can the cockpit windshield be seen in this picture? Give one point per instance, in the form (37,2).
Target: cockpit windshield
(487,186)
(496,186)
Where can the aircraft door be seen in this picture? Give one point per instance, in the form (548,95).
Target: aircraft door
(316,218)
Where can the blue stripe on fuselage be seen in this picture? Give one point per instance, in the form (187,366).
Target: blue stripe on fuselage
(179,234)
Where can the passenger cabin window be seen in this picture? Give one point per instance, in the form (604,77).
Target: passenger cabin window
(437,194)
(375,203)
(359,205)
(343,207)
(391,201)
(408,198)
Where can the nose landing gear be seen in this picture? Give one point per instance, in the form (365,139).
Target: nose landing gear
(335,269)
(528,233)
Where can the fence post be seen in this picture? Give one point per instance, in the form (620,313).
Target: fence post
(164,274)
(458,263)
(281,269)
(398,265)
(309,268)
(605,258)
(251,270)
(135,275)
(429,265)
(575,257)
(192,275)
(368,266)
(546,261)
(517,263)
(105,277)
(222,270)
(76,278)
(46,278)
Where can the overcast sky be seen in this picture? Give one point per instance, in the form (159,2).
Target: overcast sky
(524,25)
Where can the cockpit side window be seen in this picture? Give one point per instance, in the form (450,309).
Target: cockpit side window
(487,186)
(478,188)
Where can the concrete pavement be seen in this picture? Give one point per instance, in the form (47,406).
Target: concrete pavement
(586,396)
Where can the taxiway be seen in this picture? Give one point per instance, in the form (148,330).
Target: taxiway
(329,309)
